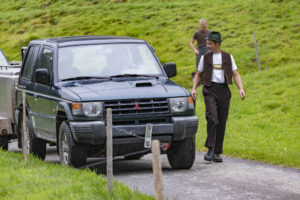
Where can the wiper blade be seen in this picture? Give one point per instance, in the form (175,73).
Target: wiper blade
(85,77)
(133,75)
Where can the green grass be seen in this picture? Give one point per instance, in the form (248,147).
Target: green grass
(43,180)
(167,25)
(265,126)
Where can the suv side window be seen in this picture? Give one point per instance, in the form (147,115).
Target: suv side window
(30,62)
(47,61)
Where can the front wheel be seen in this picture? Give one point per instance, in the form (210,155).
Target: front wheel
(70,153)
(35,146)
(181,155)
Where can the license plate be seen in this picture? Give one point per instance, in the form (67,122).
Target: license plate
(148,136)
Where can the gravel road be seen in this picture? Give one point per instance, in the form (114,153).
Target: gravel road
(233,179)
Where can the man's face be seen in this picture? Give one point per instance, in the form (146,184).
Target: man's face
(211,45)
(202,25)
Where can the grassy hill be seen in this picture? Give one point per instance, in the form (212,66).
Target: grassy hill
(265,126)
(167,25)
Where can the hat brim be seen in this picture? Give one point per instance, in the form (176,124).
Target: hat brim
(213,39)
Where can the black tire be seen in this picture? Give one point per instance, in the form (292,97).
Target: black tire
(35,145)
(182,154)
(70,153)
(4,142)
(135,157)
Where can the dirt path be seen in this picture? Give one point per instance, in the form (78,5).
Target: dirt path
(232,179)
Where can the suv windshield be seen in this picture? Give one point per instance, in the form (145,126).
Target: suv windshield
(106,60)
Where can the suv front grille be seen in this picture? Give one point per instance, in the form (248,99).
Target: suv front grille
(139,106)
(142,121)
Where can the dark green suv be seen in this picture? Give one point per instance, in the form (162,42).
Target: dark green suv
(70,82)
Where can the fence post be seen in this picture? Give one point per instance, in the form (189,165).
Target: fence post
(256,51)
(25,130)
(157,170)
(109,151)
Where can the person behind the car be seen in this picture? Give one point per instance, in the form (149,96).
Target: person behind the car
(199,36)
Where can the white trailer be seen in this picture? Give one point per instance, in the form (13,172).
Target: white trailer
(9,75)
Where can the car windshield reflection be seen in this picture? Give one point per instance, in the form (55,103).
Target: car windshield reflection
(107,60)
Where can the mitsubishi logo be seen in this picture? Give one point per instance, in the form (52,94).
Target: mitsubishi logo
(136,107)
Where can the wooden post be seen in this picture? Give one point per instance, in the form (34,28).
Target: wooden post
(109,151)
(25,130)
(256,51)
(157,170)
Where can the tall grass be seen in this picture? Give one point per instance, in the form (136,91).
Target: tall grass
(167,25)
(42,180)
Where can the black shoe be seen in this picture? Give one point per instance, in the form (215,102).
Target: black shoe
(218,158)
(209,155)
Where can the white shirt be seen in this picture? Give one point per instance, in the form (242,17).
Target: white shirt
(218,72)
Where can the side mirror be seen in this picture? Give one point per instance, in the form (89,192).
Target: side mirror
(170,69)
(42,76)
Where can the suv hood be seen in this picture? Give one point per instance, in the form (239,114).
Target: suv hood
(124,89)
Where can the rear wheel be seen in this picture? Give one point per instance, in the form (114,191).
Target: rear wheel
(35,145)
(70,153)
(4,142)
(181,155)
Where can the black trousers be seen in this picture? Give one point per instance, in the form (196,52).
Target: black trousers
(217,101)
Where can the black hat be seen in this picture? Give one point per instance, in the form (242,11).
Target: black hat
(215,36)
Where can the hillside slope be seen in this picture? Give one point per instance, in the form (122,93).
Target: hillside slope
(265,126)
(167,25)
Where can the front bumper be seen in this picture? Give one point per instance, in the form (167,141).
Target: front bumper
(94,132)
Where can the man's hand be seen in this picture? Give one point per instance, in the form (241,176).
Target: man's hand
(239,84)
(196,82)
(242,94)
(194,93)
(196,52)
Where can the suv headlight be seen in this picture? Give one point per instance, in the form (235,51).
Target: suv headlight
(92,109)
(181,104)
(178,104)
(89,109)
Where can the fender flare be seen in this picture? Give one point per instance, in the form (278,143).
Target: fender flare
(64,107)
